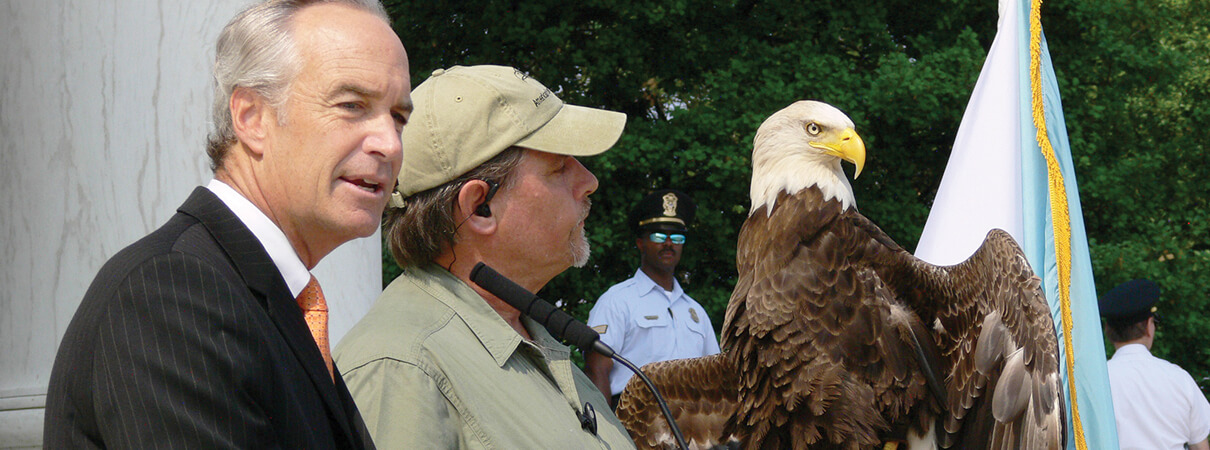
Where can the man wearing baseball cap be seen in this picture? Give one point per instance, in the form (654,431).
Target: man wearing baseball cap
(649,317)
(489,175)
(1156,404)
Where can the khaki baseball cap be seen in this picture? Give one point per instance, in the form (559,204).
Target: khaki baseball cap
(465,115)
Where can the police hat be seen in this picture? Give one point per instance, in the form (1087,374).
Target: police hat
(1130,302)
(665,209)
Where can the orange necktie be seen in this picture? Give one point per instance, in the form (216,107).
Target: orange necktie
(315,310)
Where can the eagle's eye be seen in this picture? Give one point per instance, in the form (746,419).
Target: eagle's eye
(812,128)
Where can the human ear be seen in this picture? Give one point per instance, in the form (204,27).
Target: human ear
(472,205)
(250,115)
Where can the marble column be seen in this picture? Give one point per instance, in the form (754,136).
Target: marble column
(104,110)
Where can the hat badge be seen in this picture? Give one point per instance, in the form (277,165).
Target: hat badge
(669,204)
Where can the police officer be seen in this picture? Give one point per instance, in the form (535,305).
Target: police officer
(1156,403)
(648,317)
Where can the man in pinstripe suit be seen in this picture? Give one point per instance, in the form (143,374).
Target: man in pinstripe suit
(192,336)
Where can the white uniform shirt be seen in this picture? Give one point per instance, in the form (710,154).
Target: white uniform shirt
(644,324)
(1156,403)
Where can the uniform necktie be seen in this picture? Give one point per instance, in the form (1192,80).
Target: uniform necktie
(315,311)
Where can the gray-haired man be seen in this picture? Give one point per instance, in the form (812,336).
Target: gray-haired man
(211,332)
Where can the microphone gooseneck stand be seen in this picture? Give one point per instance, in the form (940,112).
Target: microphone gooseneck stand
(562,326)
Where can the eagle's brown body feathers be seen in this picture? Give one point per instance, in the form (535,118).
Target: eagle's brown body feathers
(833,330)
(701,393)
(838,364)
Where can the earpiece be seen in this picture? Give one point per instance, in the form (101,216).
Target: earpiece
(483,209)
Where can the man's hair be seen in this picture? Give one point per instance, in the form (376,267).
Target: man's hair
(257,50)
(426,226)
(1125,332)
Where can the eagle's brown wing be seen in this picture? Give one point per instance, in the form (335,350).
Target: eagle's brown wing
(995,331)
(700,393)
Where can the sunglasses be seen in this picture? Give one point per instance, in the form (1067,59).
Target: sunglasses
(659,238)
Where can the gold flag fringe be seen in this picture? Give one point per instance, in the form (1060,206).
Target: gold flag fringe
(1060,214)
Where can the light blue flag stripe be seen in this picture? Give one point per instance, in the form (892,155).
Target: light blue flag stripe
(1092,379)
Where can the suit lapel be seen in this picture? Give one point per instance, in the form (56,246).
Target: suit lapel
(284,312)
(265,281)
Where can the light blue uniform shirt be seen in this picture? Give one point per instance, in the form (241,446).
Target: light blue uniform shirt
(644,324)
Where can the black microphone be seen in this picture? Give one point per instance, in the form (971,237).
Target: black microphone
(560,324)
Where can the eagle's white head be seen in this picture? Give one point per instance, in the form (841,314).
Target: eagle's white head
(800,146)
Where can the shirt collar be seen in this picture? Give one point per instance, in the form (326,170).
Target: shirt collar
(497,336)
(646,284)
(1132,350)
(292,269)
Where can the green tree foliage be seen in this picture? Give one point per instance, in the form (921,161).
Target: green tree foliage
(697,78)
(1131,73)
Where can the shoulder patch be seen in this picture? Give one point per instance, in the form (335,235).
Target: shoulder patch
(600,329)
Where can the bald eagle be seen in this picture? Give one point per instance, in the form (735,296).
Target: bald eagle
(836,337)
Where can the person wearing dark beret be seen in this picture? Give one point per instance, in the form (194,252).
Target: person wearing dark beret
(1157,404)
(648,317)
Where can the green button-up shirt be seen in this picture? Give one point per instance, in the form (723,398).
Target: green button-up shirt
(432,365)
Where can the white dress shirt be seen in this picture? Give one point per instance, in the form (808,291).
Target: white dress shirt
(1156,403)
(292,269)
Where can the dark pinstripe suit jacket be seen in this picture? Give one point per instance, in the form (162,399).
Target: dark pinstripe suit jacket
(189,338)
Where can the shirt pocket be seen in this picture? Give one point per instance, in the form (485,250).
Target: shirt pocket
(652,320)
(698,328)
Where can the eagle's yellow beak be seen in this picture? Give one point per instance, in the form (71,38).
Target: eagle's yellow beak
(848,146)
